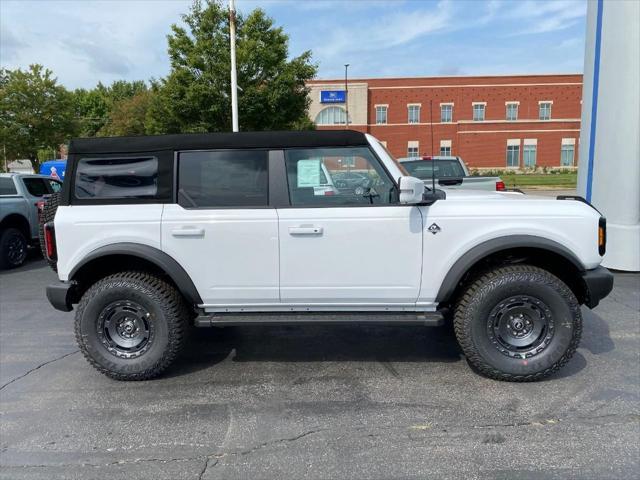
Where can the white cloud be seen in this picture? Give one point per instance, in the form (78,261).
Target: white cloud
(546,16)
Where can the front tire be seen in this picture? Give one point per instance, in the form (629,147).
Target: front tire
(518,323)
(131,325)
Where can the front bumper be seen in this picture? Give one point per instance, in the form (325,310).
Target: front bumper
(598,284)
(58,296)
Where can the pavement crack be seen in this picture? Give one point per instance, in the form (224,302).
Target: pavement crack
(207,465)
(37,368)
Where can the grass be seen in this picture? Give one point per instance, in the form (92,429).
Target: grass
(543,180)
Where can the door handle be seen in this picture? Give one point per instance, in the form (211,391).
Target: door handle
(188,232)
(305,230)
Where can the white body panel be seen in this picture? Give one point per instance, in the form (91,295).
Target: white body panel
(230,254)
(353,256)
(85,228)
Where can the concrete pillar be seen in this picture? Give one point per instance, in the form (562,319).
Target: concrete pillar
(609,164)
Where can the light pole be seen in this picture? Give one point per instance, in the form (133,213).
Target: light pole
(234,76)
(346,93)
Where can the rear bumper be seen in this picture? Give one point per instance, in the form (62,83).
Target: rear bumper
(58,296)
(598,284)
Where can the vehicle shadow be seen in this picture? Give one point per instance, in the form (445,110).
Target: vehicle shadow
(595,333)
(315,343)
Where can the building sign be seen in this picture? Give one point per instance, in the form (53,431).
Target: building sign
(332,96)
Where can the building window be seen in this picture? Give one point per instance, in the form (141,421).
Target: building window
(414,113)
(567,152)
(413,149)
(544,111)
(512,111)
(446,113)
(445,148)
(478,112)
(332,116)
(529,155)
(513,153)
(381,114)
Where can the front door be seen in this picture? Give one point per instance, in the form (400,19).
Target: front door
(350,246)
(222,230)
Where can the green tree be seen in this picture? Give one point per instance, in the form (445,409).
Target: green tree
(35,113)
(127,116)
(195,96)
(93,106)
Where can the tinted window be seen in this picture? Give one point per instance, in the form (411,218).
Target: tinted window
(99,178)
(337,177)
(7,186)
(444,169)
(229,178)
(36,186)
(55,186)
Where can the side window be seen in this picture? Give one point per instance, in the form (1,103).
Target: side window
(101,178)
(55,186)
(223,178)
(36,186)
(7,186)
(334,177)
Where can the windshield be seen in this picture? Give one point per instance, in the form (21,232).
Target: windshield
(444,168)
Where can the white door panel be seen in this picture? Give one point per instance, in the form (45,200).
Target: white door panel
(230,254)
(350,255)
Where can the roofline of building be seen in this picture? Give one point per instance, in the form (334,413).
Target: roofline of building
(440,77)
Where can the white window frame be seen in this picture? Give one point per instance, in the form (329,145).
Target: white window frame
(329,113)
(445,144)
(565,144)
(413,149)
(410,107)
(530,145)
(484,111)
(517,108)
(382,108)
(540,107)
(447,104)
(513,142)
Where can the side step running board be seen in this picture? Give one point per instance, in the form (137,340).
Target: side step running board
(428,319)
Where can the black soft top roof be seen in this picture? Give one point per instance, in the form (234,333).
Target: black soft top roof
(204,141)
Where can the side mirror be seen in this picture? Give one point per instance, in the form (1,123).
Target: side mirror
(430,197)
(411,190)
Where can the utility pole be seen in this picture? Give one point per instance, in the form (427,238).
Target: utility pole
(346,93)
(234,76)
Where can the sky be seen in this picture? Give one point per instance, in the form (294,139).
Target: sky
(86,41)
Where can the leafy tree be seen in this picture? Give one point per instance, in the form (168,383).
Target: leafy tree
(195,96)
(127,116)
(93,106)
(35,113)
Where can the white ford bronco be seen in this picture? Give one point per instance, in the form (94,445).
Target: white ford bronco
(155,235)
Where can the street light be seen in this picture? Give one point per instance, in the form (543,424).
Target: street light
(234,78)
(346,93)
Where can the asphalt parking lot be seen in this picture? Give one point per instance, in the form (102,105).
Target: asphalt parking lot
(313,402)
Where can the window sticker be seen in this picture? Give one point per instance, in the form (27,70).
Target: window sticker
(309,173)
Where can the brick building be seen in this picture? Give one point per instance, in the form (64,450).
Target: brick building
(518,121)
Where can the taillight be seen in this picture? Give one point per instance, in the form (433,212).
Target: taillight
(500,187)
(328,193)
(50,241)
(602,236)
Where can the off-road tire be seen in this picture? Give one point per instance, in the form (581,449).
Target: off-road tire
(47,215)
(168,316)
(11,238)
(474,316)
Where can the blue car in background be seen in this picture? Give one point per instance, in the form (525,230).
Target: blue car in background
(54,168)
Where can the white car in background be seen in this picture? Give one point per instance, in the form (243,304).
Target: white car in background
(450,173)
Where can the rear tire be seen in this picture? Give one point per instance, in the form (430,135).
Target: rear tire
(131,325)
(518,323)
(13,248)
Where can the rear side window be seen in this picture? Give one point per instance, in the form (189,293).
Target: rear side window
(7,186)
(102,178)
(223,178)
(36,186)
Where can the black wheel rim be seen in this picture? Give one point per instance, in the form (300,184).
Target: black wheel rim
(521,326)
(16,250)
(125,329)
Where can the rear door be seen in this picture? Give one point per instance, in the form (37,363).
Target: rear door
(222,230)
(351,248)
